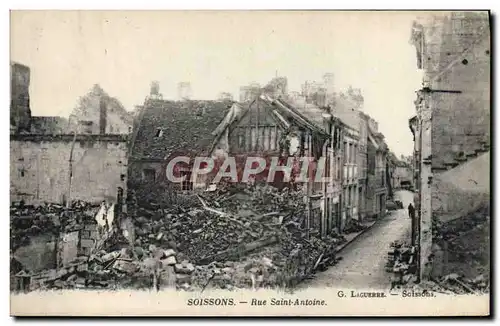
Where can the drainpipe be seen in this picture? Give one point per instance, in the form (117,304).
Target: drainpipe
(68,199)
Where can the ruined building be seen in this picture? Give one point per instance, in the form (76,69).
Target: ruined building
(452,124)
(262,127)
(164,129)
(99,113)
(49,163)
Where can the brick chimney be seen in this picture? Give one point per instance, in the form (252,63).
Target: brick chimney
(20,112)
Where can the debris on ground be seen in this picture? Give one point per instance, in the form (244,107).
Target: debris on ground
(241,237)
(402,263)
(28,220)
(464,249)
(464,244)
(353,226)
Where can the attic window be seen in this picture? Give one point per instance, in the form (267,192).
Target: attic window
(159,133)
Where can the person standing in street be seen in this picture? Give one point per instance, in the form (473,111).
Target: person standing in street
(411,211)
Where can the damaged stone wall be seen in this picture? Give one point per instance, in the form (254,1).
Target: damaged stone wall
(115,120)
(462,189)
(461,120)
(350,175)
(453,49)
(39,168)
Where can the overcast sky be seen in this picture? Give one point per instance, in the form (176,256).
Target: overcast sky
(68,52)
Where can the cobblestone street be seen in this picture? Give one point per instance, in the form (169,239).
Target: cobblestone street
(363,261)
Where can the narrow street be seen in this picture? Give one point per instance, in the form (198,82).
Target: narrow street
(363,261)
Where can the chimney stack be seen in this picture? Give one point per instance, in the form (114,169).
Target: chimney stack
(155,89)
(102,115)
(184,90)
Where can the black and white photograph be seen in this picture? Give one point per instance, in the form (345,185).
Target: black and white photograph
(250,163)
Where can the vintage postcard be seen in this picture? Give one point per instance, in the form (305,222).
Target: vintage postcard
(250,163)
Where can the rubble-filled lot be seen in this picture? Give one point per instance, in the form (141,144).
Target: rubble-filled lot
(238,237)
(28,221)
(462,257)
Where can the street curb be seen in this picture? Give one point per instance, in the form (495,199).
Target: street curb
(344,245)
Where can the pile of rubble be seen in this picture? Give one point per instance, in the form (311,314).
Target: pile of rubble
(251,236)
(353,226)
(240,235)
(464,244)
(197,233)
(452,284)
(112,268)
(402,263)
(27,221)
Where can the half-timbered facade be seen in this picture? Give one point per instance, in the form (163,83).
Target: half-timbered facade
(269,127)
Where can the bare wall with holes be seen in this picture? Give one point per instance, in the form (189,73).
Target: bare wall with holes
(461,95)
(39,169)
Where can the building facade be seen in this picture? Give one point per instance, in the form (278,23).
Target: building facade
(346,108)
(363,165)
(377,190)
(350,174)
(402,175)
(452,124)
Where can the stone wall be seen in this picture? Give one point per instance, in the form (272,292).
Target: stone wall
(39,167)
(453,109)
(462,189)
(460,121)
